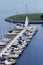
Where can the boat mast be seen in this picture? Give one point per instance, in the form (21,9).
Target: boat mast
(26,9)
(27,19)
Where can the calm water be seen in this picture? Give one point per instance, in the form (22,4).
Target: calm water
(6,9)
(4,26)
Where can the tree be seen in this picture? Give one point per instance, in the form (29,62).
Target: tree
(42,17)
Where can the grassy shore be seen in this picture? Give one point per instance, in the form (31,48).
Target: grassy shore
(36,16)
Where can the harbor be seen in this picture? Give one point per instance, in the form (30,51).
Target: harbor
(14,43)
(21,32)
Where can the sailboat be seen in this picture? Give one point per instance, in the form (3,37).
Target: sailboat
(26,21)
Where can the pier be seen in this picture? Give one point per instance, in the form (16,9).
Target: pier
(14,43)
(18,42)
(11,42)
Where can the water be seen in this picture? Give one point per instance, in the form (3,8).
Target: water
(33,54)
(6,9)
(5,26)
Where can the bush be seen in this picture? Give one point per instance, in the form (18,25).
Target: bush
(42,17)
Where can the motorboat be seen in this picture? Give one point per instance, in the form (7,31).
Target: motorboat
(10,61)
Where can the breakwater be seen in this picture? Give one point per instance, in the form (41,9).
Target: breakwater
(31,21)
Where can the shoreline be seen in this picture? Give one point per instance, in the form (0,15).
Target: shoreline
(31,21)
(33,18)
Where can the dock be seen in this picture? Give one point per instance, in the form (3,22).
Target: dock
(15,41)
(11,42)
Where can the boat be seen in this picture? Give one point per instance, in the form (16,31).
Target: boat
(10,61)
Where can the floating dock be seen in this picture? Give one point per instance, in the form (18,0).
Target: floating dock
(14,43)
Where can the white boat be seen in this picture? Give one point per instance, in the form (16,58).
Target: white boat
(10,62)
(18,51)
(11,55)
(2,43)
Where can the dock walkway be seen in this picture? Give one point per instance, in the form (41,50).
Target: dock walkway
(12,41)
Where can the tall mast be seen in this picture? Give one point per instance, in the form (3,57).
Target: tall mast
(26,8)
(27,18)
